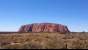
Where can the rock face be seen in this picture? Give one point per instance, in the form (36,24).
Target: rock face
(43,27)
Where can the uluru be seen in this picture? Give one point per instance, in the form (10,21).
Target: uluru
(43,27)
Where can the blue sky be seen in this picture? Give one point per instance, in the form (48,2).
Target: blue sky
(73,13)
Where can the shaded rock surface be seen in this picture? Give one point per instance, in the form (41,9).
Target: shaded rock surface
(43,27)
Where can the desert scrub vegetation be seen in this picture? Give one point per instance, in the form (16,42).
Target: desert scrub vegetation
(44,41)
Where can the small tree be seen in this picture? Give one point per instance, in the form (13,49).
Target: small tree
(83,31)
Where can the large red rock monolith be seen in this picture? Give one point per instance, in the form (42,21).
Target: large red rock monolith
(44,27)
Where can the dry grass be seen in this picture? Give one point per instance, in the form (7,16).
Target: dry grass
(44,41)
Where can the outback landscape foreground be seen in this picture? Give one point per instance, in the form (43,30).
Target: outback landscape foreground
(30,40)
